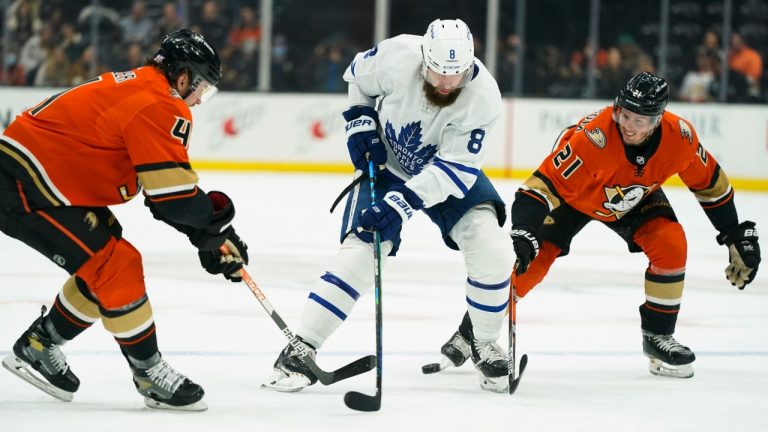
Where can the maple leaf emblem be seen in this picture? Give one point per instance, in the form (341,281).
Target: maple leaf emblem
(408,148)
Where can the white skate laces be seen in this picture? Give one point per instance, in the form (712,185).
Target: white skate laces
(58,360)
(165,377)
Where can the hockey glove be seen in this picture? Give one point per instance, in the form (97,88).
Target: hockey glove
(387,216)
(743,252)
(230,265)
(363,139)
(526,243)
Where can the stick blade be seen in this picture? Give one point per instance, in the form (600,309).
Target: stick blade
(516,382)
(362,402)
(357,367)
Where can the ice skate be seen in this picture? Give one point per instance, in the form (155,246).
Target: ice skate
(290,374)
(491,364)
(163,387)
(454,352)
(457,348)
(667,357)
(39,361)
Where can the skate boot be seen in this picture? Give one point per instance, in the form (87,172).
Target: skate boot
(290,374)
(667,356)
(38,360)
(457,348)
(163,387)
(491,364)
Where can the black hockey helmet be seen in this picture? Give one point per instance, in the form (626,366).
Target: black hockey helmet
(645,94)
(184,50)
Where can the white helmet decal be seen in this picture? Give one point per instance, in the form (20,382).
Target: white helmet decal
(448,47)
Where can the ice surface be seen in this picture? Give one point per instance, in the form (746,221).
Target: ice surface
(580,328)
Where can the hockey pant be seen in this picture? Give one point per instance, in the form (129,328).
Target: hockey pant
(662,240)
(107,277)
(488,256)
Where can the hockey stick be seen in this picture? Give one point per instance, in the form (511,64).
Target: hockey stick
(359,179)
(357,367)
(514,381)
(356,400)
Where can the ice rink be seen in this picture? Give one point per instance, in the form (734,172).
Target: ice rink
(580,329)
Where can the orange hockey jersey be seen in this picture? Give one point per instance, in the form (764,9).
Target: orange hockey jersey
(99,143)
(592,171)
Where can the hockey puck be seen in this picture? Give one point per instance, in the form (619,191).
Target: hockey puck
(430,368)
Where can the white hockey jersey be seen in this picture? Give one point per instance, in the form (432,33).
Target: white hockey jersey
(438,152)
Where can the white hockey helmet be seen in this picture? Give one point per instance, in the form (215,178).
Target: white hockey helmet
(448,49)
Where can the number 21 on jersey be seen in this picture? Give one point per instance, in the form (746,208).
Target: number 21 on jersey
(564,158)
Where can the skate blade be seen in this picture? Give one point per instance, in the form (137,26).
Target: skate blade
(285,382)
(197,406)
(495,385)
(660,368)
(23,370)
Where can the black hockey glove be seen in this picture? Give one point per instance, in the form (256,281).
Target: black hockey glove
(363,141)
(218,229)
(526,243)
(230,265)
(743,252)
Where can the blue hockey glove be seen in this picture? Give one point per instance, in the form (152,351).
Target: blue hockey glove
(526,243)
(743,254)
(363,139)
(388,215)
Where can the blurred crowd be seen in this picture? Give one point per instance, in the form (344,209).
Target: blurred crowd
(60,43)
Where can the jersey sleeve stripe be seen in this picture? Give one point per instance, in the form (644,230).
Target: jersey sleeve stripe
(161,166)
(460,167)
(451,175)
(34,169)
(172,196)
(166,181)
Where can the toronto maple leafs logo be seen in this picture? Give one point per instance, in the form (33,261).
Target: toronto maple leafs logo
(407,147)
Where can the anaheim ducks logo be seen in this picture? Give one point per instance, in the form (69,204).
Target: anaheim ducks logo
(621,200)
(596,136)
(92,221)
(685,131)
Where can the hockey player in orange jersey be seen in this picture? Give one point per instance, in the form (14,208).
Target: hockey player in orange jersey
(64,161)
(610,167)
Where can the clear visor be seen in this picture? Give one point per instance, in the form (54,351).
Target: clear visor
(447,82)
(202,92)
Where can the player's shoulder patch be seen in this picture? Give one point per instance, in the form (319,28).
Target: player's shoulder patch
(596,136)
(686,131)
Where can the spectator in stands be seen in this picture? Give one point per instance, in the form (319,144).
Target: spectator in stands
(34,52)
(22,20)
(15,72)
(212,25)
(246,34)
(71,41)
(329,68)
(710,46)
(644,64)
(283,72)
(697,84)
(169,21)
(80,69)
(612,74)
(137,27)
(54,72)
(745,60)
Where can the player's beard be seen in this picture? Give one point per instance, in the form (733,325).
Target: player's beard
(438,99)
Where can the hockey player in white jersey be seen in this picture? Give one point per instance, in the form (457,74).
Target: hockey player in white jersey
(420,108)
